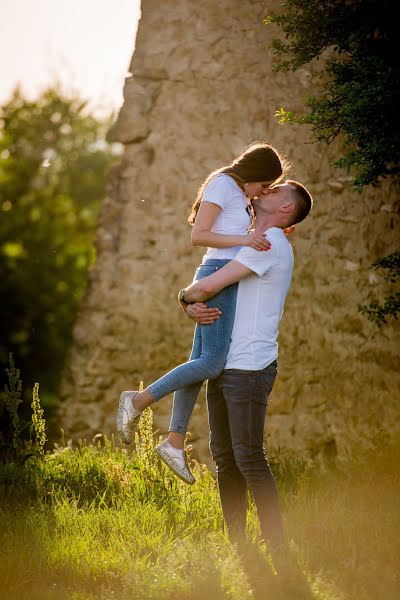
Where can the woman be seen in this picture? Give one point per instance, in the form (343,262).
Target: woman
(221,217)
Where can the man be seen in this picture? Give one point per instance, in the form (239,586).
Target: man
(237,399)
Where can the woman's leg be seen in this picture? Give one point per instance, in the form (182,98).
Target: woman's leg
(171,450)
(215,340)
(182,408)
(184,401)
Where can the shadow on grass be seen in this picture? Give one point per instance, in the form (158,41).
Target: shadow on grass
(274,577)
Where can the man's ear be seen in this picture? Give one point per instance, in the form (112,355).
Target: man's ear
(288,207)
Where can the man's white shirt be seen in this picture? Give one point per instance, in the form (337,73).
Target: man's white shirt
(260,301)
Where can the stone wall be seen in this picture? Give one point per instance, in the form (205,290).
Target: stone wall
(202,88)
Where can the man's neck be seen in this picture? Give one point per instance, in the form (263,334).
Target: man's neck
(264,222)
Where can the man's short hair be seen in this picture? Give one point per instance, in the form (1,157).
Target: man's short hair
(303,200)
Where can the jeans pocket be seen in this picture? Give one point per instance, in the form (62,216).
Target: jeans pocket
(271,370)
(267,383)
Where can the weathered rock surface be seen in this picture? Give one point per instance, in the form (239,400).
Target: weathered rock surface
(203,88)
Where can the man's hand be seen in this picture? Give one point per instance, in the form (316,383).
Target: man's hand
(202,314)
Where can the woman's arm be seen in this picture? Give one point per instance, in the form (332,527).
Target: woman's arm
(203,236)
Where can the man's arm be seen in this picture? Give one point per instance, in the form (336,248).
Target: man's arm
(203,289)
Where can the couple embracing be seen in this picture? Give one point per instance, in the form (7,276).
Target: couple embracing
(236,299)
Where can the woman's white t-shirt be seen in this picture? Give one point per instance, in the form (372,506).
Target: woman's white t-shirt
(234,218)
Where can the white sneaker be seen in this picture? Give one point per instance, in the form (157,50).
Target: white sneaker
(128,417)
(176,460)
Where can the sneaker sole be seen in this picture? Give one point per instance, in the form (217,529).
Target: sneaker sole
(166,458)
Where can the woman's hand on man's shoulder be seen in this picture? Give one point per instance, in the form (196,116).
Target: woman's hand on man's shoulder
(258,241)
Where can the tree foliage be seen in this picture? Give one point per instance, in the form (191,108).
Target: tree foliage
(53,165)
(379,312)
(360,91)
(361,85)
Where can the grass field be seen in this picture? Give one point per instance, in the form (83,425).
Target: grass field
(96,522)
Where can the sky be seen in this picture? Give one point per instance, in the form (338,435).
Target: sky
(86,45)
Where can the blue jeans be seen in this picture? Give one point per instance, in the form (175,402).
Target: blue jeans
(208,356)
(237,404)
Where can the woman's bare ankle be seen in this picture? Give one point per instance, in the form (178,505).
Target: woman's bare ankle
(142,400)
(177,440)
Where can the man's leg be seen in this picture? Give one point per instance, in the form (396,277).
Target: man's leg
(246,394)
(231,483)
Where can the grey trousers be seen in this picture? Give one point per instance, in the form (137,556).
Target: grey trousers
(237,403)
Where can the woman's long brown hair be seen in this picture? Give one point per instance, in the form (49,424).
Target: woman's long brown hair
(273,170)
